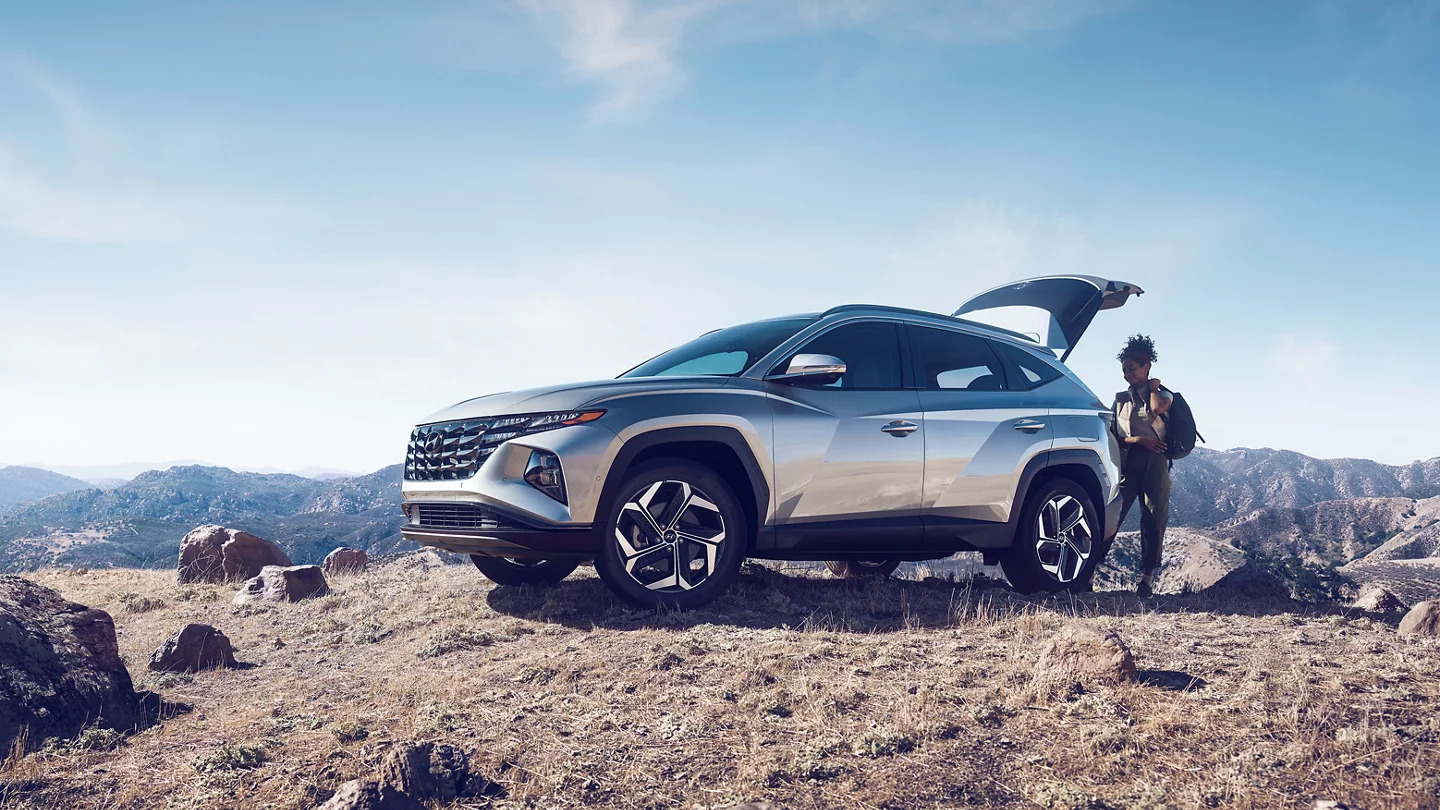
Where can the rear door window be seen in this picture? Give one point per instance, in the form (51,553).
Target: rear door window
(946,360)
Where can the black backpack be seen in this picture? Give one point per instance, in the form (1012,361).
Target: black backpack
(1180,431)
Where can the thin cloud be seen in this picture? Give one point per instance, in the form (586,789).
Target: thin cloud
(1305,356)
(90,193)
(633,50)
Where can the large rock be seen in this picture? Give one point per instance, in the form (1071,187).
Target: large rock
(346,561)
(195,647)
(436,771)
(283,584)
(1376,599)
(218,554)
(1083,655)
(363,795)
(1422,620)
(60,667)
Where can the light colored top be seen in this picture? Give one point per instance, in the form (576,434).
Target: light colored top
(1133,416)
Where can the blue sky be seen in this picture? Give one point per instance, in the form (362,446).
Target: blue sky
(225,225)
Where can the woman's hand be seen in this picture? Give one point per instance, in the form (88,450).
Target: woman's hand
(1153,445)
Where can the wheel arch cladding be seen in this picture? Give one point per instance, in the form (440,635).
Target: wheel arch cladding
(1081,474)
(1084,467)
(720,449)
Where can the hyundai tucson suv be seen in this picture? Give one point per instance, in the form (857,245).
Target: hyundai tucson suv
(861,436)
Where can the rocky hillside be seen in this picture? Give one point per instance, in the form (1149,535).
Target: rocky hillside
(141,522)
(1210,487)
(804,691)
(20,485)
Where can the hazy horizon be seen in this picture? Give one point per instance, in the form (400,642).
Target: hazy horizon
(273,236)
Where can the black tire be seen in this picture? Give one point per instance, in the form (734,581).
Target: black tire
(1060,564)
(674,543)
(862,569)
(506,571)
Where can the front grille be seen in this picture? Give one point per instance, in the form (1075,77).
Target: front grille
(458,516)
(446,452)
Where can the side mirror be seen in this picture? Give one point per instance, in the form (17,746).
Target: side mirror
(818,369)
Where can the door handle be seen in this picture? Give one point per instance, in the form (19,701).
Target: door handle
(1029,425)
(900,428)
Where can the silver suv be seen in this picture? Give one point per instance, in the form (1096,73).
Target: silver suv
(862,436)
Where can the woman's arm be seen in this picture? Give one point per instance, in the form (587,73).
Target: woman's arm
(1160,399)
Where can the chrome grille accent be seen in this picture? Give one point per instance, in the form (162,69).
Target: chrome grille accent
(446,452)
(451,451)
(458,516)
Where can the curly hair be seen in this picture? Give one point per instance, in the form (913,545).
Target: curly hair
(1139,348)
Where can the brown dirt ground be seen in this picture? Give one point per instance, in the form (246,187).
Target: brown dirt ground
(807,691)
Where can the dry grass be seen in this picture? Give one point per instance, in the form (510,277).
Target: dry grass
(810,692)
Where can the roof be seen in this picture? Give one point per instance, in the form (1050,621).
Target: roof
(984,327)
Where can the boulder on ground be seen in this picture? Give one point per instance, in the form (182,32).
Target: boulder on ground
(346,561)
(1376,599)
(362,795)
(283,584)
(218,554)
(195,647)
(60,668)
(1422,620)
(433,771)
(1084,655)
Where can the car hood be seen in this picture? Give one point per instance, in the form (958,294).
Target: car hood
(568,397)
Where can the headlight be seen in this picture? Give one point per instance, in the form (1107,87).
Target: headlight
(504,428)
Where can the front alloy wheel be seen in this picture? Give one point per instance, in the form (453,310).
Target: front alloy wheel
(675,538)
(1059,531)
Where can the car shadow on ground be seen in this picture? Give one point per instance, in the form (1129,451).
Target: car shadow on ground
(763,598)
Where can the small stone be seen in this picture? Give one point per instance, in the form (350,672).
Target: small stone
(1084,655)
(1422,620)
(195,647)
(1376,599)
(346,561)
(363,795)
(433,771)
(283,584)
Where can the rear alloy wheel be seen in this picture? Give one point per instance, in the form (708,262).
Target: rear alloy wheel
(1059,529)
(675,537)
(511,571)
(862,569)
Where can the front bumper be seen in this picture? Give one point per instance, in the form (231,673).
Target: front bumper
(516,539)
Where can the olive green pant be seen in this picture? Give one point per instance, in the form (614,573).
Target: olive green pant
(1145,476)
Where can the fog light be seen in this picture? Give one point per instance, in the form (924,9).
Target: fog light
(542,471)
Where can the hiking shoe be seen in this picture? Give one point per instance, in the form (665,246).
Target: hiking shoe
(1144,590)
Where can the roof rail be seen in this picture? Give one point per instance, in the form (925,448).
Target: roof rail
(999,330)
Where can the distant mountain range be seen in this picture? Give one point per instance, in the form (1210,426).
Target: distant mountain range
(141,522)
(1210,487)
(1243,504)
(23,484)
(109,475)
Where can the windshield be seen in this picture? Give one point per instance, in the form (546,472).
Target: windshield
(722,353)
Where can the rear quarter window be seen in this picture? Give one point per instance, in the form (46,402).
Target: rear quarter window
(1024,370)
